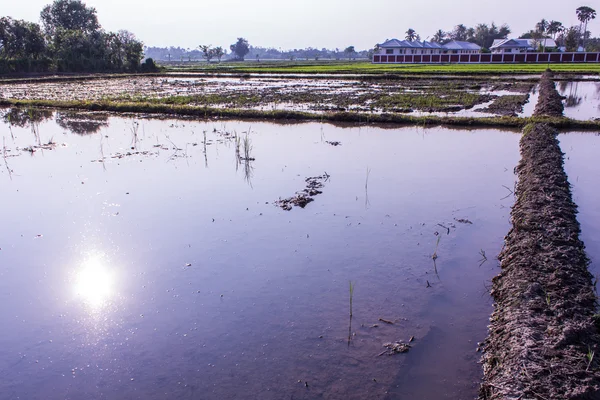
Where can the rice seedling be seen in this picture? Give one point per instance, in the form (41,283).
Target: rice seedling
(204,150)
(351,296)
(134,132)
(590,357)
(247,148)
(237,143)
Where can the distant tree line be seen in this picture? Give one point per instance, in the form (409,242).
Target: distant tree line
(571,38)
(242,50)
(484,35)
(69,39)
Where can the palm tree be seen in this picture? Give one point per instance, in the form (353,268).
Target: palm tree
(555,27)
(584,15)
(439,36)
(470,35)
(411,35)
(542,27)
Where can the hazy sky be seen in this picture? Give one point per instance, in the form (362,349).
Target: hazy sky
(303,23)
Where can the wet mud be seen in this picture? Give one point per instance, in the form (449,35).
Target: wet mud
(542,338)
(550,101)
(301,199)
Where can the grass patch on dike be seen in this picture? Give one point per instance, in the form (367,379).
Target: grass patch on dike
(308,67)
(280,115)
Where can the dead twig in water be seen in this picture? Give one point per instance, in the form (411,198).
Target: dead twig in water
(483,257)
(435,256)
(4,156)
(445,227)
(508,195)
(386,321)
(350,323)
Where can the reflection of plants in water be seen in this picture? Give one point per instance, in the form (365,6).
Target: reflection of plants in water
(243,154)
(5,156)
(350,322)
(247,146)
(35,129)
(135,126)
(22,118)
(562,86)
(204,150)
(351,295)
(573,101)
(81,123)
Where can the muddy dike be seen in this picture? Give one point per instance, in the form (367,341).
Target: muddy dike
(542,342)
(550,101)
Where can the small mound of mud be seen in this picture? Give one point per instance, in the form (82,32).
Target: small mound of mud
(549,101)
(396,348)
(510,105)
(301,199)
(542,338)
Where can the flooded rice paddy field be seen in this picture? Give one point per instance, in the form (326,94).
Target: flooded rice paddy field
(581,164)
(581,100)
(470,97)
(146,259)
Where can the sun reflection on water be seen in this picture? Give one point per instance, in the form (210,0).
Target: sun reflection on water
(94,283)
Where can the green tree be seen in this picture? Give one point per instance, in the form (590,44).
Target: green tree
(541,29)
(349,52)
(471,35)
(584,15)
(554,28)
(21,39)
(439,36)
(133,50)
(571,38)
(459,33)
(219,53)
(69,15)
(411,35)
(207,51)
(240,48)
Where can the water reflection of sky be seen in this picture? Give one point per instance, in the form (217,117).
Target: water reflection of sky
(94,283)
(199,287)
(582,99)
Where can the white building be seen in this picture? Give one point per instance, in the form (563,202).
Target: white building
(404,47)
(513,46)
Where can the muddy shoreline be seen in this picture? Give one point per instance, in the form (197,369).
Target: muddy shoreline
(167,111)
(542,338)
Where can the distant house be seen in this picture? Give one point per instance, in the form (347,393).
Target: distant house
(513,46)
(457,47)
(404,47)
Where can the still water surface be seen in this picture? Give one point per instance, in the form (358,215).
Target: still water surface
(170,273)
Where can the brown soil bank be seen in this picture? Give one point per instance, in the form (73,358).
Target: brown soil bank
(550,101)
(542,339)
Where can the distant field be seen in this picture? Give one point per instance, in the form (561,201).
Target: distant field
(304,67)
